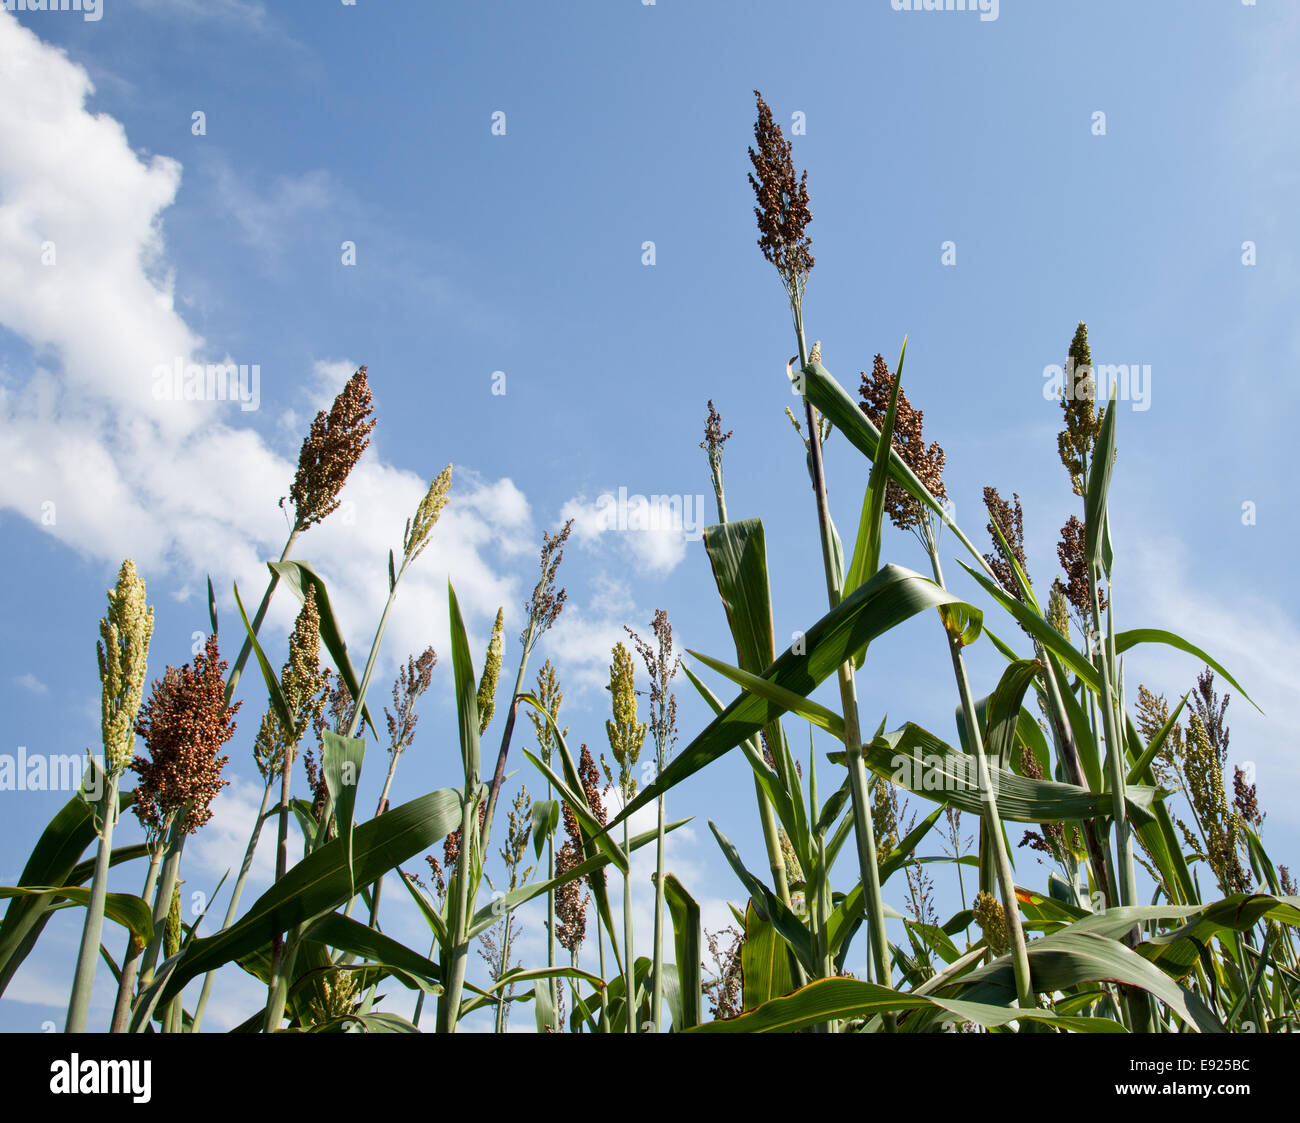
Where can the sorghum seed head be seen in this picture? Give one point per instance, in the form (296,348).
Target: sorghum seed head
(908,441)
(123,651)
(330,452)
(487,683)
(184,724)
(420,526)
(782,212)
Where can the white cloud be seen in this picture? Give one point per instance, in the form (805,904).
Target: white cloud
(651,531)
(182,486)
(30,682)
(1253,637)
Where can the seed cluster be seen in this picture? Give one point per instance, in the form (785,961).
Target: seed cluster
(992,921)
(908,441)
(626,734)
(1082,418)
(1073,554)
(782,212)
(487,683)
(331,450)
(123,651)
(184,724)
(545,605)
(412,681)
(1010,520)
(420,526)
(305,686)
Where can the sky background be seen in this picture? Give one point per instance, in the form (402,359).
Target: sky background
(625,123)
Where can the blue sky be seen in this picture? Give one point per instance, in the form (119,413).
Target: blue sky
(626,123)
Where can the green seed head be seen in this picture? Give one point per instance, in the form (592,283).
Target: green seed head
(123,653)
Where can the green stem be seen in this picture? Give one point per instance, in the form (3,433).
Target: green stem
(235,896)
(83,980)
(454,972)
(864,829)
(131,957)
(992,820)
(629,962)
(657,988)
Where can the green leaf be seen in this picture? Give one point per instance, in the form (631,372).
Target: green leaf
(889,598)
(963,622)
(1130,639)
(320,882)
(341,759)
(788,700)
(685,913)
(543,1009)
(545,820)
(345,934)
(1069,958)
(769,906)
(528,974)
(1004,710)
(1040,629)
(426,907)
(917,760)
(738,555)
(53,861)
(765,961)
(466,693)
(866,550)
(212,607)
(133,913)
(848,999)
(1099,487)
(278,703)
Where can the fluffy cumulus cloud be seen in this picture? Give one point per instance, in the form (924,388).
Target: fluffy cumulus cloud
(107,463)
(650,531)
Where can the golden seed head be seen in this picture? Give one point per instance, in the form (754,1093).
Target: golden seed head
(551,698)
(626,734)
(123,653)
(487,683)
(426,515)
(172,936)
(992,921)
(1058,610)
(304,684)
